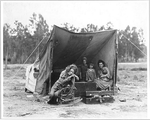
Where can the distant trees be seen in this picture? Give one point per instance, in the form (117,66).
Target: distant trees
(19,42)
(6,42)
(95,28)
(39,28)
(69,27)
(127,51)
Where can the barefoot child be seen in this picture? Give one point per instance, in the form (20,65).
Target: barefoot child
(90,74)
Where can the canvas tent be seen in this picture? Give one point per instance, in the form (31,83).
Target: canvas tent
(64,48)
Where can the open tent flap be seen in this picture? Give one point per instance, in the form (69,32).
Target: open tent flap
(45,64)
(31,73)
(65,47)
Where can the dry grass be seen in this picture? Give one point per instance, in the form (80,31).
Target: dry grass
(132,83)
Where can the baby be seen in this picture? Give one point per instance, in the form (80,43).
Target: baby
(104,75)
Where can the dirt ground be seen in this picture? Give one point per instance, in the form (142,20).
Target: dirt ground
(133,91)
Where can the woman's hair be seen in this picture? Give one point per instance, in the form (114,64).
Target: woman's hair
(101,61)
(72,66)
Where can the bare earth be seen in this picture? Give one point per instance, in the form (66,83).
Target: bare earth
(133,89)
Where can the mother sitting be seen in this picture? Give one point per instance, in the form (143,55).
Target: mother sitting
(104,79)
(67,78)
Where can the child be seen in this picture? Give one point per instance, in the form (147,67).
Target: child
(104,75)
(90,74)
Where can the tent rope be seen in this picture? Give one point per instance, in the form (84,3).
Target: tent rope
(134,45)
(30,56)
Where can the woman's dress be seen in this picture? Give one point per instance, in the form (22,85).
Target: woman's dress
(103,81)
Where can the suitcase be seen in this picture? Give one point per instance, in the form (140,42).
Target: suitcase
(98,100)
(82,87)
(90,95)
(91,100)
(108,99)
(99,93)
(98,97)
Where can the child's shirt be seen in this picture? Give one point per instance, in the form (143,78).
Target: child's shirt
(90,75)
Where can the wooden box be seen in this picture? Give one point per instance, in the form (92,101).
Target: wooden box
(82,87)
(99,93)
(91,100)
(98,100)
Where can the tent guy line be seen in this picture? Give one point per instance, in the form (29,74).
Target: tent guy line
(134,44)
(29,56)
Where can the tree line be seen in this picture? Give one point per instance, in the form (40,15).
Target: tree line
(20,41)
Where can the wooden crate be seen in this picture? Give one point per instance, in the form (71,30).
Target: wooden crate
(82,87)
(91,100)
(98,99)
(99,93)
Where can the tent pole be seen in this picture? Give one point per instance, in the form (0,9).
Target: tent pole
(51,55)
(50,69)
(116,68)
(116,63)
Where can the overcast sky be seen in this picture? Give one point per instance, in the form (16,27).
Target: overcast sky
(80,13)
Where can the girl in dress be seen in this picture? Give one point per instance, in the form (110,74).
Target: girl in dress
(90,74)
